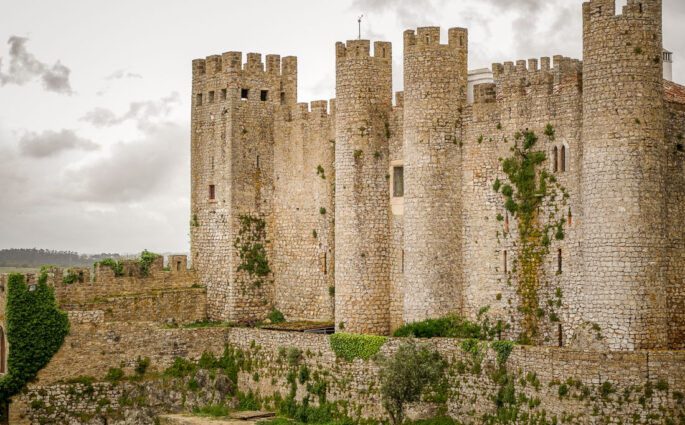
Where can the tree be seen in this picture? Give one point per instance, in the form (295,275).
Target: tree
(405,374)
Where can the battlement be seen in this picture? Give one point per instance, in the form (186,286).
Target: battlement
(382,50)
(428,38)
(231,62)
(531,75)
(606,9)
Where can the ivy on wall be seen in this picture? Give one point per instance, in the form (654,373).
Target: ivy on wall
(251,245)
(532,197)
(35,331)
(349,346)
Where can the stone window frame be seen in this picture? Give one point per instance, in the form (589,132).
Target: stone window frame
(559,155)
(396,203)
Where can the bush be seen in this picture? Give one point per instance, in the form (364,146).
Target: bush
(142,365)
(114,374)
(180,368)
(350,346)
(248,401)
(405,374)
(276,316)
(294,356)
(452,326)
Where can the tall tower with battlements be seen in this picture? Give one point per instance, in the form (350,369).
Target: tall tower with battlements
(232,155)
(435,79)
(362,265)
(623,171)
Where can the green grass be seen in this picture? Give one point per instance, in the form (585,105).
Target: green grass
(5,269)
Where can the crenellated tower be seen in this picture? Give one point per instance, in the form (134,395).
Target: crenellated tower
(362,267)
(435,78)
(623,170)
(232,156)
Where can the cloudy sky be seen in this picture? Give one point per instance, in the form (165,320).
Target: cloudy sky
(95,95)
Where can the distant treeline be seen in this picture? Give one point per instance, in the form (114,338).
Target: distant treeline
(39,257)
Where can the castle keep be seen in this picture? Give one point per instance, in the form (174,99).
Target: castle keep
(373,213)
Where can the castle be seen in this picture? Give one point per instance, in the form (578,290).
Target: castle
(375,214)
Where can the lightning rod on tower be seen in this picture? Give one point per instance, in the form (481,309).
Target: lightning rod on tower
(359,21)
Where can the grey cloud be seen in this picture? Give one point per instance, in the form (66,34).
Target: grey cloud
(50,143)
(135,170)
(122,74)
(409,13)
(140,111)
(24,67)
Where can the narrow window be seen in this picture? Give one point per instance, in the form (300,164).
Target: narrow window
(506,269)
(211,96)
(506,221)
(212,192)
(555,154)
(559,261)
(561,338)
(282,98)
(461,40)
(244,93)
(640,7)
(563,158)
(263,95)
(398,182)
(325,262)
(427,39)
(223,94)
(178,266)
(198,99)
(257,161)
(402,261)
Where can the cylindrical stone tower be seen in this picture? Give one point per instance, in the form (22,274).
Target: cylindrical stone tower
(435,77)
(622,184)
(362,269)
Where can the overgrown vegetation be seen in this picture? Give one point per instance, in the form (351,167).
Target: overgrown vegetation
(453,326)
(276,316)
(251,246)
(405,374)
(532,197)
(146,259)
(349,346)
(35,331)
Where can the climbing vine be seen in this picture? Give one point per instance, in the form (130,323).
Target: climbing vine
(251,245)
(35,331)
(532,197)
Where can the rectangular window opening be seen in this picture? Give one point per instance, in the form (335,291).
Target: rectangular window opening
(325,263)
(559,261)
(244,93)
(198,99)
(223,94)
(282,98)
(211,97)
(505,262)
(563,158)
(263,95)
(398,182)
(561,338)
(212,191)
(178,266)
(402,261)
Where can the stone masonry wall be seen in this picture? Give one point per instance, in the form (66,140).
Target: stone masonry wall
(434,94)
(600,387)
(304,212)
(623,179)
(363,106)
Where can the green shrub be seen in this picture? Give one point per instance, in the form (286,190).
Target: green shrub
(35,331)
(405,374)
(114,374)
(70,277)
(142,365)
(83,380)
(563,390)
(214,410)
(503,349)
(294,356)
(303,374)
(180,368)
(248,401)
(276,316)
(349,346)
(452,326)
(146,259)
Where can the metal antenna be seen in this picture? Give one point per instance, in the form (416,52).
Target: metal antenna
(359,21)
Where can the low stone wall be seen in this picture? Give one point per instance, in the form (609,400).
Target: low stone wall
(181,305)
(570,385)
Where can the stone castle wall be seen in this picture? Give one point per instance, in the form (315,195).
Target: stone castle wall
(440,248)
(641,384)
(363,108)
